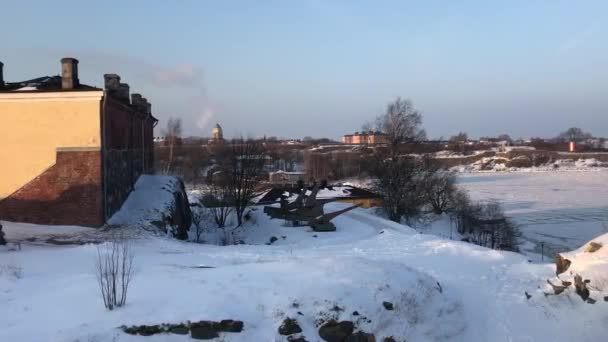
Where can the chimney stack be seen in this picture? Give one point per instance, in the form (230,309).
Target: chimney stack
(69,73)
(146,106)
(137,101)
(111,82)
(123,92)
(1,75)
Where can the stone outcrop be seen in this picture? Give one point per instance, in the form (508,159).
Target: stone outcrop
(593,247)
(289,327)
(562,264)
(334,331)
(201,330)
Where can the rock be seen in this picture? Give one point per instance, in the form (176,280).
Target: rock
(557,289)
(229,325)
(296,339)
(388,306)
(581,287)
(528,296)
(273,239)
(130,330)
(178,329)
(590,300)
(289,327)
(149,330)
(361,336)
(2,239)
(180,216)
(355,313)
(203,330)
(562,264)
(519,161)
(593,247)
(606,299)
(334,331)
(389,339)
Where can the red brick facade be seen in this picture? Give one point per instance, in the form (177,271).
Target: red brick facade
(68,193)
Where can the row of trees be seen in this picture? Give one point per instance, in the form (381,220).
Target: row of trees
(416,186)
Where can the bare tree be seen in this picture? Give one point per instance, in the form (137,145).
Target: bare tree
(218,201)
(172,133)
(461,137)
(246,170)
(114,271)
(399,178)
(200,218)
(440,190)
(401,122)
(574,134)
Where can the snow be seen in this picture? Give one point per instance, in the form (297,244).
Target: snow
(563,210)
(443,290)
(593,266)
(148,202)
(497,164)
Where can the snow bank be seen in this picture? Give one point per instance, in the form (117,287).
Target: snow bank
(591,262)
(156,201)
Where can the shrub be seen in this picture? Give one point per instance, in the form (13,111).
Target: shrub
(114,271)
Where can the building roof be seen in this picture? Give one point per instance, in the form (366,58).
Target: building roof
(44,83)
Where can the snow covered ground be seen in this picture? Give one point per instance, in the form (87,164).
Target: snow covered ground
(442,290)
(562,210)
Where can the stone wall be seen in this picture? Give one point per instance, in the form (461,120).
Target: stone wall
(67,193)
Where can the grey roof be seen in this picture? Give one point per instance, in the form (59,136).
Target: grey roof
(44,83)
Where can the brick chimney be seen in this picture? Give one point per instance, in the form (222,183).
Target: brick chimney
(111,82)
(1,75)
(137,101)
(69,73)
(123,92)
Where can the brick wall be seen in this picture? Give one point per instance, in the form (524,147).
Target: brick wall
(68,193)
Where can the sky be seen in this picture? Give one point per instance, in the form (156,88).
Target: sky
(323,68)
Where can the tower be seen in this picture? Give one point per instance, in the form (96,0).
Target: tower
(216,133)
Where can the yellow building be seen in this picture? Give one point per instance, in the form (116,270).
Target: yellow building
(70,153)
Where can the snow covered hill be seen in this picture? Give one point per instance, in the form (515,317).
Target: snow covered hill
(440,290)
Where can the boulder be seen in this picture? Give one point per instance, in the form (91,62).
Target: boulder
(289,327)
(388,306)
(593,247)
(334,331)
(181,216)
(581,287)
(178,329)
(361,336)
(296,339)
(562,264)
(229,325)
(204,330)
(389,339)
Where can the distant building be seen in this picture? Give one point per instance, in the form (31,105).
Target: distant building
(285,178)
(70,153)
(217,134)
(365,138)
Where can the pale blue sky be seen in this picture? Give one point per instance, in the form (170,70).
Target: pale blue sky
(322,68)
